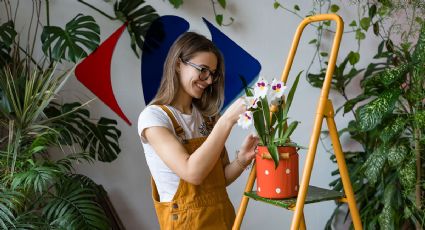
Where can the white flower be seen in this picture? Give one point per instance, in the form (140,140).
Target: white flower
(277,89)
(245,119)
(251,102)
(261,87)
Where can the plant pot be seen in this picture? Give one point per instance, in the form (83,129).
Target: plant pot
(280,182)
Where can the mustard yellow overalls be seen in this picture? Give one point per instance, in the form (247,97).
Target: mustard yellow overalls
(205,206)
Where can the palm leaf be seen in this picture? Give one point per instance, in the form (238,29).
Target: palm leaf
(99,139)
(36,179)
(73,207)
(66,163)
(70,43)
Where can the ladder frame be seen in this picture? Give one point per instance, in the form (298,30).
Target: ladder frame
(324,111)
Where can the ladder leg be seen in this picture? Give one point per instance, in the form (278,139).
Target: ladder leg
(302,224)
(244,203)
(348,189)
(308,168)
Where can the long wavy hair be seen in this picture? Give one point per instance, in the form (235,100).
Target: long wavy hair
(185,48)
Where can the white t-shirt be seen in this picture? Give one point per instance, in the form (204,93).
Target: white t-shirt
(193,125)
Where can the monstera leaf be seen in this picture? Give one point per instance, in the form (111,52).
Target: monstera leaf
(79,34)
(7,36)
(138,19)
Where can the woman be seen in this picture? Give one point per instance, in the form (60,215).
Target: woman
(184,140)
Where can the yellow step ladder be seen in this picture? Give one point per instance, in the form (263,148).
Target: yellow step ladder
(306,193)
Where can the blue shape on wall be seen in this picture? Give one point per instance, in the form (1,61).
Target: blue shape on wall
(237,63)
(161,35)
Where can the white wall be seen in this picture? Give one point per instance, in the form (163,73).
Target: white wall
(266,34)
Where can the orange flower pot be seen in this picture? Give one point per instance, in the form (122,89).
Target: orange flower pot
(281,182)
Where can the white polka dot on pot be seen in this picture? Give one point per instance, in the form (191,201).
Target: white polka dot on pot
(288,171)
(266,172)
(296,187)
(259,189)
(278,190)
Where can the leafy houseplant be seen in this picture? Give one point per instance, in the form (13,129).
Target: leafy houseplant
(388,118)
(277,158)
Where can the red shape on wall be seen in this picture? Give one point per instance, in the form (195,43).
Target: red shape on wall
(94,72)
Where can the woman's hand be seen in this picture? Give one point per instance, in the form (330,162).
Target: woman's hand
(234,110)
(247,150)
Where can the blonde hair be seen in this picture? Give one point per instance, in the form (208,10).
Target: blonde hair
(185,48)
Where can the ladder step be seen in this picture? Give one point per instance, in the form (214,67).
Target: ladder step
(314,195)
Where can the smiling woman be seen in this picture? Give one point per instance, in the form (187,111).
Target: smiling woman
(191,171)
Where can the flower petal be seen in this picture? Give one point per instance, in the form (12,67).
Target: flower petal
(245,119)
(261,87)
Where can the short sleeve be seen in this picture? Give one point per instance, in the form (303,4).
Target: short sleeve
(153,116)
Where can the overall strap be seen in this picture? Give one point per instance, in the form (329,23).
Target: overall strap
(177,128)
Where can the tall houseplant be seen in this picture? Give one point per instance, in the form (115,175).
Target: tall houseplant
(387,171)
(277,157)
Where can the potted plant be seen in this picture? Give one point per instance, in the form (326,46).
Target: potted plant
(277,157)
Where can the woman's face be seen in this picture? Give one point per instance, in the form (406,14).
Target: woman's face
(189,75)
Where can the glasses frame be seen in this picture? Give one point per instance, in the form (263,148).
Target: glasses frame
(202,69)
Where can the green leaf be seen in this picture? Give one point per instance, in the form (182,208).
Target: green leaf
(37,179)
(176,3)
(274,153)
(387,216)
(291,95)
(313,41)
(100,140)
(349,105)
(288,132)
(419,118)
(327,23)
(394,129)
(365,23)
(353,23)
(74,207)
(297,7)
(372,11)
(407,174)
(374,165)
(419,52)
(383,10)
(360,35)
(353,57)
(388,76)
(334,8)
(222,3)
(219,19)
(389,45)
(80,34)
(266,115)
(276,5)
(376,28)
(371,114)
(7,36)
(7,33)
(323,54)
(396,155)
(139,16)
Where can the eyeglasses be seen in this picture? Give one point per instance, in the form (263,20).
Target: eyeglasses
(204,72)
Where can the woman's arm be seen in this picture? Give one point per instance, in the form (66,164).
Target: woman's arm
(194,168)
(243,159)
